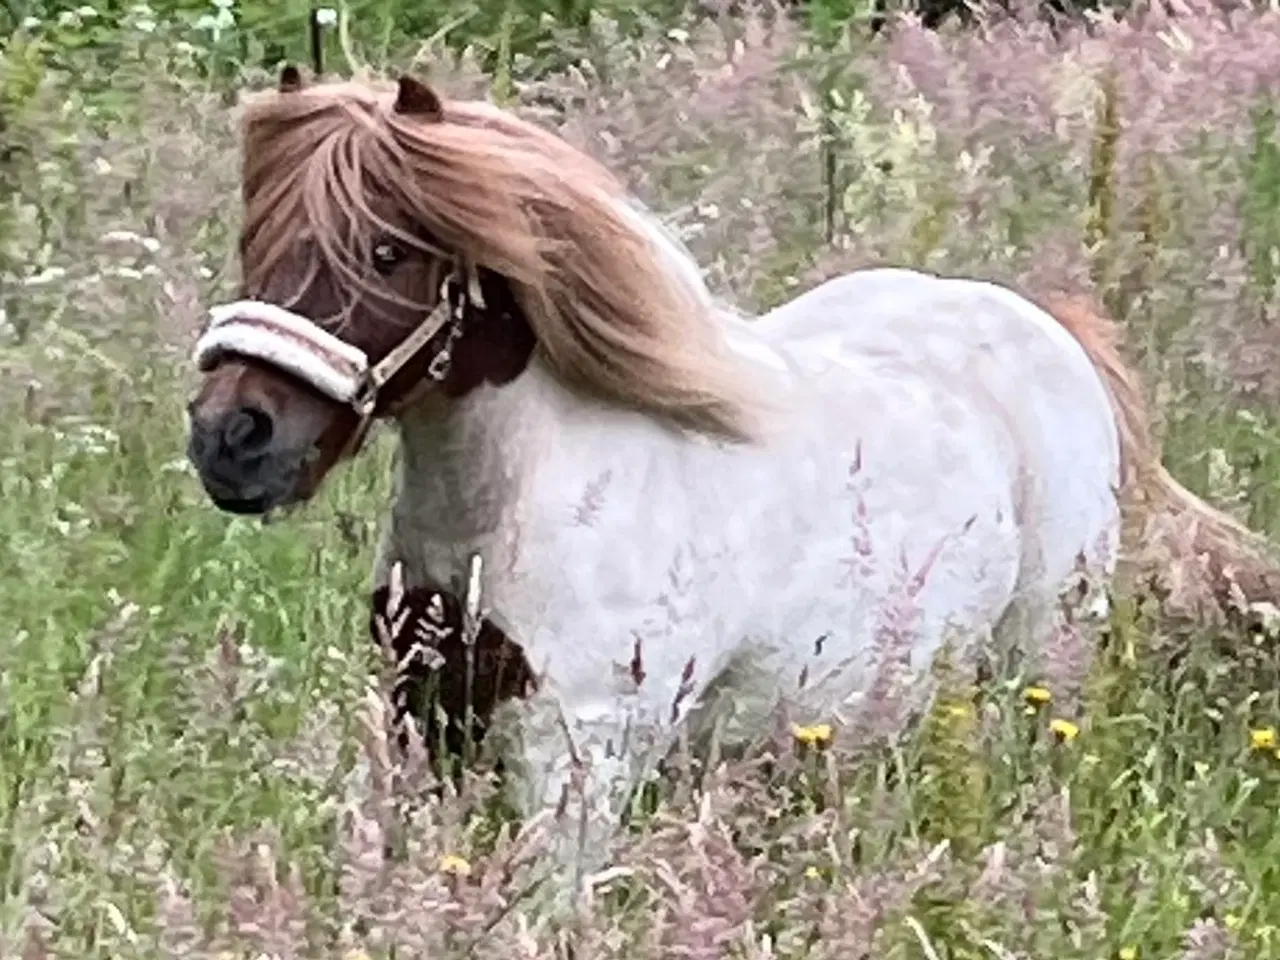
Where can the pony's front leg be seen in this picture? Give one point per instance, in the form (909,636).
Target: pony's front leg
(577,768)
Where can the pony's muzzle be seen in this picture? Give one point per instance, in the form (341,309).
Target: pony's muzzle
(234,455)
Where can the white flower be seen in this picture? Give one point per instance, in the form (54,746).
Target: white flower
(150,244)
(179,465)
(326,16)
(46,276)
(216,23)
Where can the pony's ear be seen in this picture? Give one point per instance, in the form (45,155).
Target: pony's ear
(290,79)
(415,99)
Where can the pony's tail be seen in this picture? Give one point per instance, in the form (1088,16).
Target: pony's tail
(1239,563)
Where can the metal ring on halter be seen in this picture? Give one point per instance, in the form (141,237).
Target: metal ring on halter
(439,366)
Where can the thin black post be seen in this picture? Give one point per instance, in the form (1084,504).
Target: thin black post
(317,42)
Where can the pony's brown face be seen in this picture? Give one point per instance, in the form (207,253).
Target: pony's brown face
(262,438)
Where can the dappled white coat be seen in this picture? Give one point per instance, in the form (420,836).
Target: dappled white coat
(937,448)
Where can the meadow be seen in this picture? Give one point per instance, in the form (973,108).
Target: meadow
(193,754)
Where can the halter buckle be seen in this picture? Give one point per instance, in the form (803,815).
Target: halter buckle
(365,399)
(468,291)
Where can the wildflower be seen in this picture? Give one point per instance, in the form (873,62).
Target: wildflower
(1128,953)
(1263,739)
(1232,922)
(1037,696)
(816,735)
(458,866)
(1064,730)
(812,873)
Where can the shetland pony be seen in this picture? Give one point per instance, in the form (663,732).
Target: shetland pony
(683,519)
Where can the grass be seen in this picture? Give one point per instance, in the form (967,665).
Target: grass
(191,759)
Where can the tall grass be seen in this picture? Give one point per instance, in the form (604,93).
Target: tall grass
(193,754)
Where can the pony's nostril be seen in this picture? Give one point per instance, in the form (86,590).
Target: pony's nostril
(247,431)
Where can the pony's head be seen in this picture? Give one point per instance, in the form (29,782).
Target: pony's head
(398,249)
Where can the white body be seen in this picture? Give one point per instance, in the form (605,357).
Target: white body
(941,457)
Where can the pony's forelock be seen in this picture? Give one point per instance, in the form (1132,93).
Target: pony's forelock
(618,308)
(306,193)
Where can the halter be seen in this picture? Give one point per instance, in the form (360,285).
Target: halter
(300,347)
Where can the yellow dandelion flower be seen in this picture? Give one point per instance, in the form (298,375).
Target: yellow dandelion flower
(1128,953)
(1232,922)
(813,873)
(1037,696)
(816,735)
(1263,739)
(1064,730)
(458,866)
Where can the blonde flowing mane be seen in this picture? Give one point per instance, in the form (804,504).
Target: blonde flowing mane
(616,313)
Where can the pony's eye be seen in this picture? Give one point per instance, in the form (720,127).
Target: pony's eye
(387,255)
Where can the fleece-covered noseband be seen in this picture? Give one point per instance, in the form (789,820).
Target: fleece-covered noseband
(300,347)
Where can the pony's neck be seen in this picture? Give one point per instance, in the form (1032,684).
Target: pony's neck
(467,465)
(464,466)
